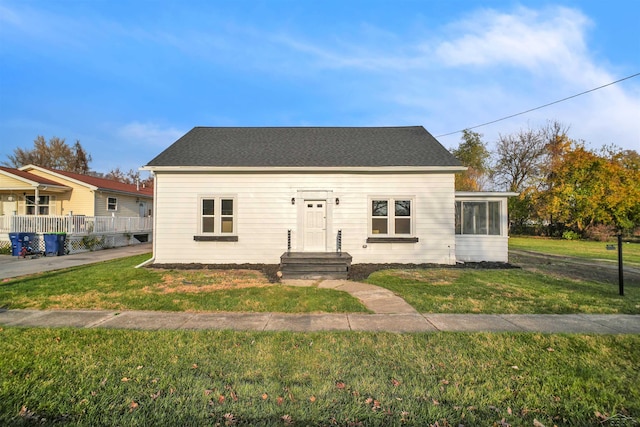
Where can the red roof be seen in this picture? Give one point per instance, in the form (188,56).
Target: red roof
(30,176)
(105,184)
(101,183)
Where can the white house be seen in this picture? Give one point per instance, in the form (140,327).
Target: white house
(314,195)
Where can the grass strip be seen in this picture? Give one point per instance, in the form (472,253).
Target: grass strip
(511,291)
(577,248)
(135,378)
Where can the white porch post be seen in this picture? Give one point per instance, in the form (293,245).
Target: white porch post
(37,199)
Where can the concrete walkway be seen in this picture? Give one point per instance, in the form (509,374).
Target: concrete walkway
(154,320)
(378,300)
(13,266)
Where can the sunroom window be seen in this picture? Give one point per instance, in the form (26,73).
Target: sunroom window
(478,218)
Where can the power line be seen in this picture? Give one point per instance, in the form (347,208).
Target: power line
(542,106)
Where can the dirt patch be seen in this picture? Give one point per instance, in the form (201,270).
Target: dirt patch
(206,280)
(268,270)
(573,268)
(88,300)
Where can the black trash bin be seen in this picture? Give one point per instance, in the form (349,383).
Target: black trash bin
(54,243)
(19,241)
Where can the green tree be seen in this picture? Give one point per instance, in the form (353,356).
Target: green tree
(54,154)
(472,153)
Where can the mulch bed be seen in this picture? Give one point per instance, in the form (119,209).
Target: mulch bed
(362,271)
(356,273)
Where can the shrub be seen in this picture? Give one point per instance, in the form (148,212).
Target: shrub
(570,235)
(600,232)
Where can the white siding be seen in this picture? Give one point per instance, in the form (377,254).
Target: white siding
(482,248)
(127,205)
(265,213)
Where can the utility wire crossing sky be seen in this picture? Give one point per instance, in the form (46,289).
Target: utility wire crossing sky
(540,107)
(127,79)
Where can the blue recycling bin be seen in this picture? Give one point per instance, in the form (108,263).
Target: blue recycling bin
(54,243)
(20,240)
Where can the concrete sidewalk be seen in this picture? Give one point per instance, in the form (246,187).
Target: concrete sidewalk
(13,266)
(154,320)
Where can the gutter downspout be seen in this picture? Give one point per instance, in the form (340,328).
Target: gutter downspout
(155,198)
(147,262)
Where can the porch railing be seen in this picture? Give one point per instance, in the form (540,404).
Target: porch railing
(75,224)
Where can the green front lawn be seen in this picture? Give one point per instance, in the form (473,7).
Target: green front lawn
(577,248)
(117,285)
(503,291)
(97,286)
(136,378)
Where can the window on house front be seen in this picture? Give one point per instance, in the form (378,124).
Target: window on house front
(391,217)
(44,207)
(217,215)
(112,204)
(475,217)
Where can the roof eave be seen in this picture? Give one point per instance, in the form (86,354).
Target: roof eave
(446,169)
(124,192)
(485,194)
(60,176)
(31,183)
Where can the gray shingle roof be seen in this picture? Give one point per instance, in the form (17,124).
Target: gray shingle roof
(306,147)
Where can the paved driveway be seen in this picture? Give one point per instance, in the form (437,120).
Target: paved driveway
(12,266)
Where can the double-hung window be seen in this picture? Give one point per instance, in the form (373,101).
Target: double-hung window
(112,204)
(478,217)
(217,216)
(391,217)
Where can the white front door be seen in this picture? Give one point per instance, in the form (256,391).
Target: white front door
(315,225)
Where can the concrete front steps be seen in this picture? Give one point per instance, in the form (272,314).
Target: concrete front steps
(315,265)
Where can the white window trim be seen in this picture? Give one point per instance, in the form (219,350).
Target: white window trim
(501,207)
(391,224)
(217,215)
(108,204)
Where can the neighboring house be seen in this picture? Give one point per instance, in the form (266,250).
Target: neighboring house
(19,191)
(34,190)
(94,213)
(269,195)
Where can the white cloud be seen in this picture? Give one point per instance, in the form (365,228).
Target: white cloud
(497,64)
(526,38)
(149,134)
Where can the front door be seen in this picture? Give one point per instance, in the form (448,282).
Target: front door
(315,225)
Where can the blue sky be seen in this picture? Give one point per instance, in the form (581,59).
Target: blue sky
(127,78)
